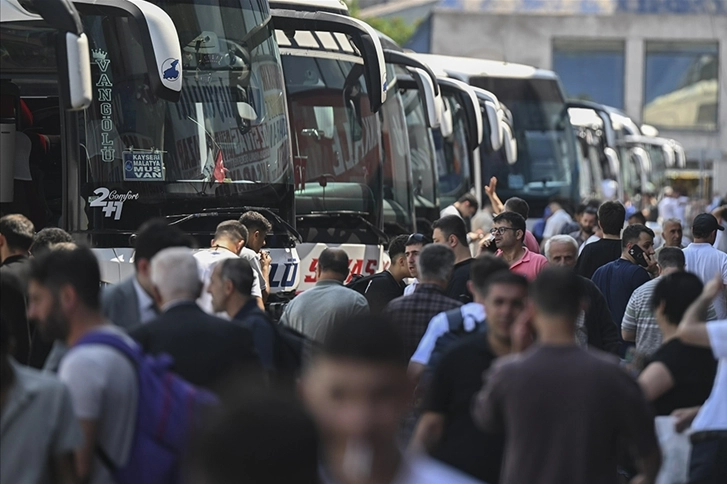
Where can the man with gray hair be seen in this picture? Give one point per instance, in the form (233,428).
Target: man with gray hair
(230,287)
(413,313)
(671,234)
(313,312)
(204,348)
(594,327)
(639,323)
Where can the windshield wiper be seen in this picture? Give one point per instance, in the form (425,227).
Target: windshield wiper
(268,213)
(359,216)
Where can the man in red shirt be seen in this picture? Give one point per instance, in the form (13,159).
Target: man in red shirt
(508,228)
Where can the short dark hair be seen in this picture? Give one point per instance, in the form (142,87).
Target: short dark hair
(255,221)
(558,291)
(518,205)
(483,268)
(18,231)
(231,229)
(506,277)
(452,225)
(470,199)
(611,217)
(77,268)
(632,233)
(677,291)
(397,246)
(639,216)
(334,260)
(239,272)
(515,220)
(48,237)
(671,257)
(367,339)
(260,416)
(156,235)
(435,262)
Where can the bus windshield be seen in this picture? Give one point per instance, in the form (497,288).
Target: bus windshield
(224,144)
(453,157)
(336,138)
(421,144)
(398,195)
(546,144)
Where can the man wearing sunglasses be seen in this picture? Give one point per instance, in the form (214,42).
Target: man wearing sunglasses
(508,229)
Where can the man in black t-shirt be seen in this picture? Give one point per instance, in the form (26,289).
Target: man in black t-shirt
(385,286)
(451,231)
(611,216)
(446,429)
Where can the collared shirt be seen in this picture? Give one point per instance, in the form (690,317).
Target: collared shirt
(472,313)
(315,310)
(713,414)
(705,261)
(529,265)
(413,313)
(147,309)
(409,290)
(37,425)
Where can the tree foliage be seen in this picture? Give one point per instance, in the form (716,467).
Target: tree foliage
(395,27)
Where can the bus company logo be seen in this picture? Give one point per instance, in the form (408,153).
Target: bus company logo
(103,96)
(111,202)
(170,69)
(129,165)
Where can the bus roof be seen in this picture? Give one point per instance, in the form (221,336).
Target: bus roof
(471,67)
(332,6)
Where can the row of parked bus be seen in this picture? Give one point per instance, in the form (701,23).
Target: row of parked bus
(196,111)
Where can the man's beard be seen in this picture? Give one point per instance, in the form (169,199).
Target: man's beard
(55,326)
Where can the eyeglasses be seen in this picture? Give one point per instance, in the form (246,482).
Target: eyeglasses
(500,230)
(417,239)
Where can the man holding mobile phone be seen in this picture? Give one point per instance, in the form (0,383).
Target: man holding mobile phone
(617,280)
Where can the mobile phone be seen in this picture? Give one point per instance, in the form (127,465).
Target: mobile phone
(638,254)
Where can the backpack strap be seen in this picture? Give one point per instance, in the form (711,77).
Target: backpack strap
(455,320)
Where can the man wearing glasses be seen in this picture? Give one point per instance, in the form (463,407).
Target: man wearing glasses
(414,245)
(508,229)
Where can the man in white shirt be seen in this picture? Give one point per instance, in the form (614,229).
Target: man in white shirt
(357,391)
(64,298)
(229,239)
(258,228)
(557,221)
(704,260)
(709,428)
(465,207)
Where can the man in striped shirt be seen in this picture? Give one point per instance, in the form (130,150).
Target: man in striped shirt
(639,323)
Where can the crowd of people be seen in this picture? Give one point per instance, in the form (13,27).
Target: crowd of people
(586,351)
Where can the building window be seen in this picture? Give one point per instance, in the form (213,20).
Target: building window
(681,86)
(591,70)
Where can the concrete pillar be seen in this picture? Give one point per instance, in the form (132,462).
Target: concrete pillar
(634,71)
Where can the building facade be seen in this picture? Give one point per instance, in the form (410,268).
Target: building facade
(663,62)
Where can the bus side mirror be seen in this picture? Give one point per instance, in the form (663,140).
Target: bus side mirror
(510,144)
(74,64)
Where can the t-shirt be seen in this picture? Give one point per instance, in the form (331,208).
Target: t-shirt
(713,414)
(457,288)
(705,261)
(565,413)
(597,254)
(378,289)
(206,261)
(421,469)
(617,281)
(409,290)
(103,386)
(38,424)
(693,370)
(450,210)
(457,379)
(472,313)
(555,223)
(254,258)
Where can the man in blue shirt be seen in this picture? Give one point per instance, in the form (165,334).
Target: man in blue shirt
(617,280)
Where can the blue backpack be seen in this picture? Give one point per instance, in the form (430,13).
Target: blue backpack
(167,413)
